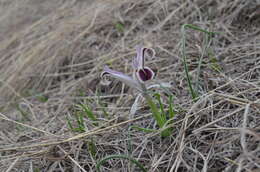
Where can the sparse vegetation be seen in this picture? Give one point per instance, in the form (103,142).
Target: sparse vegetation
(56,115)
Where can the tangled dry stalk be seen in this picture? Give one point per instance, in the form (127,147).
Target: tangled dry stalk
(51,55)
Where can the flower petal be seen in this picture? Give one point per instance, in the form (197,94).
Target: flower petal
(144,74)
(138,61)
(122,77)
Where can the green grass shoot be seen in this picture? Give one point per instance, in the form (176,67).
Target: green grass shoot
(87,111)
(194,93)
(92,148)
(80,126)
(159,114)
(132,160)
(119,27)
(146,130)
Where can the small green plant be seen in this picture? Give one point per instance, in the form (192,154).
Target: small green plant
(39,96)
(92,148)
(82,111)
(119,27)
(162,118)
(146,130)
(79,123)
(132,160)
(86,111)
(214,65)
(171,110)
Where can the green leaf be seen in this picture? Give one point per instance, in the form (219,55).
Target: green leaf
(69,123)
(80,124)
(147,130)
(155,111)
(163,114)
(160,119)
(88,112)
(92,148)
(171,108)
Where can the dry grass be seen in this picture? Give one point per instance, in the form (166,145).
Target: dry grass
(58,49)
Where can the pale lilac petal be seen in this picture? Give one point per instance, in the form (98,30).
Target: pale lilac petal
(135,63)
(122,77)
(139,60)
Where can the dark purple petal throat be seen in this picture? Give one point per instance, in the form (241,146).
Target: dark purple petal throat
(145,74)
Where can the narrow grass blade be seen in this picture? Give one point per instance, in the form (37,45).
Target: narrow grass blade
(163,114)
(39,96)
(206,43)
(199,29)
(132,160)
(155,111)
(160,119)
(194,93)
(119,27)
(69,123)
(92,148)
(171,108)
(80,124)
(146,130)
(88,112)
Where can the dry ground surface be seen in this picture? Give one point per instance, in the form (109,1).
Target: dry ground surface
(51,57)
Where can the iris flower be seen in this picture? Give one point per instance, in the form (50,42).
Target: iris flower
(141,73)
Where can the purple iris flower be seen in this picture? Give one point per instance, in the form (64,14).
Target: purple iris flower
(141,73)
